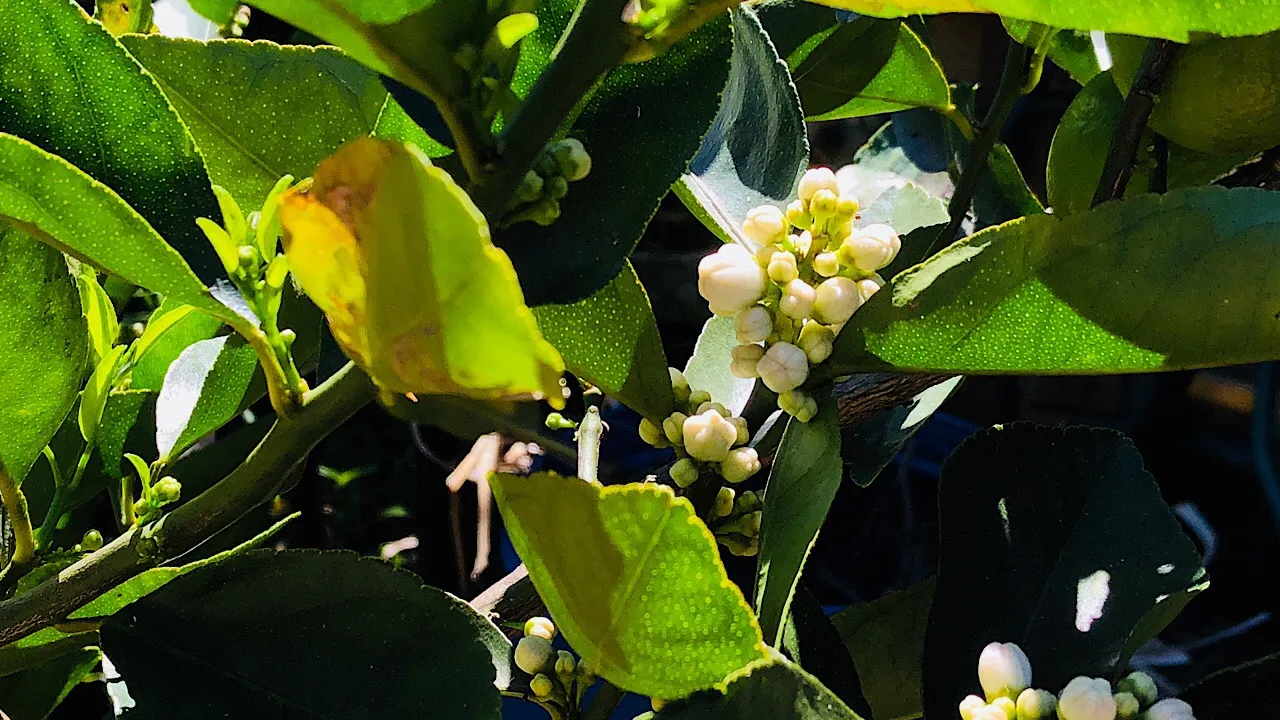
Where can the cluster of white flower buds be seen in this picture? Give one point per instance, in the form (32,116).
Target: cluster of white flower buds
(537,198)
(558,678)
(735,521)
(1005,674)
(790,297)
(705,435)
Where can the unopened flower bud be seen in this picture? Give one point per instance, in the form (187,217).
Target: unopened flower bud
(651,434)
(1141,686)
(1003,670)
(1006,705)
(545,212)
(865,253)
(709,436)
(826,264)
(556,188)
(835,300)
(765,225)
(744,430)
(697,397)
(802,242)
(534,654)
(970,707)
(798,405)
(673,427)
(748,501)
(530,187)
(684,472)
(572,159)
(1036,704)
(1087,699)
(740,545)
(542,686)
(782,267)
(823,204)
(730,280)
(1127,706)
(817,179)
(745,361)
(657,703)
(679,385)
(540,627)
(91,541)
(741,464)
(723,504)
(166,490)
(991,712)
(556,421)
(1169,709)
(797,215)
(869,286)
(817,341)
(847,207)
(713,405)
(784,367)
(754,324)
(565,665)
(797,299)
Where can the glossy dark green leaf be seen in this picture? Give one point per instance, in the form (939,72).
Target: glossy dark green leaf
(776,690)
(44,345)
(82,97)
(886,639)
(811,641)
(170,330)
(668,103)
(708,367)
(1083,138)
(1071,544)
(261,110)
(328,628)
(1028,296)
(803,480)
(870,445)
(757,147)
(124,421)
(33,694)
(1071,50)
(203,389)
(1245,691)
(611,340)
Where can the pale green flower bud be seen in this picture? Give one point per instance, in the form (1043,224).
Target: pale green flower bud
(797,299)
(91,541)
(657,703)
(748,501)
(1127,706)
(798,405)
(530,187)
(542,686)
(764,254)
(1008,706)
(835,300)
(826,264)
(1087,699)
(545,212)
(709,436)
(817,179)
(697,397)
(712,405)
(556,421)
(565,665)
(540,627)
(556,188)
(166,490)
(1141,686)
(1169,709)
(744,430)
(783,268)
(740,545)
(679,385)
(823,204)
(534,654)
(572,158)
(847,207)
(684,472)
(1003,670)
(798,215)
(1036,704)
(741,464)
(970,706)
(817,341)
(784,367)
(864,253)
(730,280)
(651,434)
(991,712)
(673,427)
(765,225)
(724,503)
(754,324)
(745,360)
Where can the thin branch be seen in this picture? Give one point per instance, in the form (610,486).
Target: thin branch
(1118,167)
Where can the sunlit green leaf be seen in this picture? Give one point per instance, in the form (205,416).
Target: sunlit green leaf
(203,389)
(708,367)
(776,690)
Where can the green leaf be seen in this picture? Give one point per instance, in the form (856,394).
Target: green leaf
(1028,296)
(873,443)
(82,97)
(34,693)
(59,204)
(803,480)
(39,648)
(668,103)
(1071,544)
(611,340)
(886,639)
(219,11)
(1083,138)
(44,345)
(120,430)
(757,147)
(94,397)
(708,367)
(259,110)
(893,71)
(202,390)
(104,326)
(1071,50)
(327,628)
(633,579)
(905,209)
(170,330)
(1173,19)
(395,124)
(811,641)
(776,690)
(910,148)
(1243,691)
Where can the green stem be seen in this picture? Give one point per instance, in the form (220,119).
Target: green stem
(61,494)
(255,481)
(15,504)
(1118,167)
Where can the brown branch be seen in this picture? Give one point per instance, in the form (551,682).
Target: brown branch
(1137,109)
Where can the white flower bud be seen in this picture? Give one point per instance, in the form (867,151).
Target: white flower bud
(1003,670)
(1036,704)
(869,286)
(730,280)
(764,253)
(684,472)
(826,264)
(886,235)
(817,341)
(1087,699)
(802,243)
(991,712)
(835,300)
(746,360)
(784,367)
(534,654)
(1169,709)
(1007,706)
(540,627)
(1127,706)
(1141,686)
(782,267)
(754,324)
(798,405)
(741,464)
(708,436)
(817,179)
(970,706)
(797,299)
(710,405)
(866,252)
(724,503)
(765,225)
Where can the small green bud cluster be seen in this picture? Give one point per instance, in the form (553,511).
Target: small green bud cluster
(705,435)
(165,491)
(735,521)
(558,678)
(489,60)
(1005,674)
(537,198)
(651,17)
(790,298)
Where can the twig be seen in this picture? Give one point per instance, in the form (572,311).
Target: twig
(1118,167)
(61,493)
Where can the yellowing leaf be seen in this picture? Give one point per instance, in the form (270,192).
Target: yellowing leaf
(399,259)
